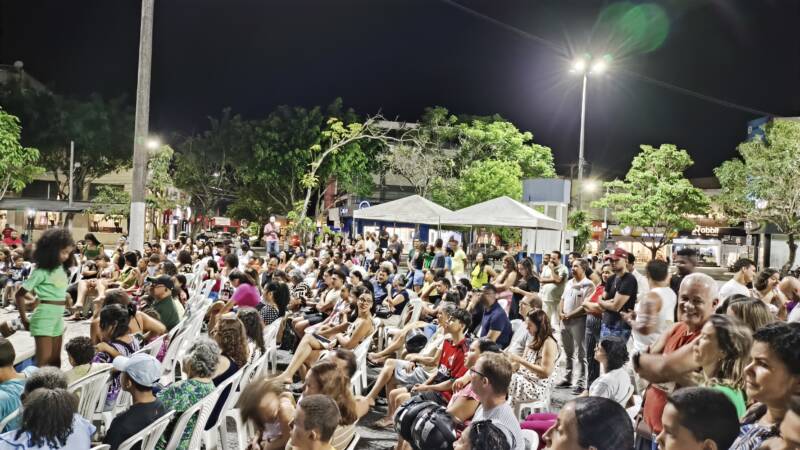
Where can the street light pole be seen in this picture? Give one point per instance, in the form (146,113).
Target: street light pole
(580,147)
(137,216)
(71,169)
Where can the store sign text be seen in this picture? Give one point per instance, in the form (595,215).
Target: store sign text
(701,231)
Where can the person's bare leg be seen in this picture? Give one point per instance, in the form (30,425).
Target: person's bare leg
(300,328)
(397,343)
(56,351)
(83,288)
(386,375)
(44,347)
(304,350)
(399,399)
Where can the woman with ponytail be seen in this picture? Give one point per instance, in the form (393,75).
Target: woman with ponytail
(117,340)
(145,328)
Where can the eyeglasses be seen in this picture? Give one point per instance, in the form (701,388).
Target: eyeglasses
(365,299)
(477,373)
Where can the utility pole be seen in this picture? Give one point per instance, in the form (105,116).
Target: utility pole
(580,147)
(137,216)
(71,169)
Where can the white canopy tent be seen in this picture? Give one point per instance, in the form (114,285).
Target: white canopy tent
(411,209)
(501,212)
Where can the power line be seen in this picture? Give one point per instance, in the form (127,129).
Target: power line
(563,51)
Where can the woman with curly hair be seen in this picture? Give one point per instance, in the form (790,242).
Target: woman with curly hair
(534,371)
(254,329)
(49,420)
(200,363)
(48,285)
(326,378)
(229,334)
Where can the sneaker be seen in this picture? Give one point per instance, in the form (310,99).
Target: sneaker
(564,384)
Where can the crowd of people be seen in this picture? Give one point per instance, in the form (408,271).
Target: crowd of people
(467,355)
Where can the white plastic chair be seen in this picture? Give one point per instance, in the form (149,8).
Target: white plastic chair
(153,347)
(4,423)
(522,410)
(148,437)
(415,305)
(270,342)
(92,390)
(202,410)
(359,379)
(531,439)
(217,433)
(102,447)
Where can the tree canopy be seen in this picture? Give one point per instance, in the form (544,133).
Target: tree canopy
(18,164)
(655,195)
(760,186)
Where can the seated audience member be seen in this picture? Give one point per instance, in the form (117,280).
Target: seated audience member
(464,402)
(495,325)
(521,337)
(671,358)
(116,341)
(246,293)
(399,295)
(271,410)
(490,379)
(534,371)
(790,427)
(698,419)
(269,309)
(80,352)
(199,365)
(12,382)
(437,387)
(139,374)
(722,351)
(254,329)
(591,423)
(772,377)
(49,421)
(141,325)
(230,336)
(326,378)
(614,383)
(315,420)
(311,345)
(483,435)
(163,302)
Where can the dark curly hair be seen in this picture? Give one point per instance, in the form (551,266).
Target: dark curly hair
(253,326)
(484,435)
(81,350)
(616,351)
(784,340)
(117,317)
(47,415)
(47,254)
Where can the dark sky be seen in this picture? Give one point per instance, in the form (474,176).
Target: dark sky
(399,56)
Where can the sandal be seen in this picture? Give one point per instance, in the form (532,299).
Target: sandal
(385,422)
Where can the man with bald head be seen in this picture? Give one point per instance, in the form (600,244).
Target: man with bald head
(670,359)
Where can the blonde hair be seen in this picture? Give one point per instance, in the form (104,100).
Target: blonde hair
(336,385)
(734,339)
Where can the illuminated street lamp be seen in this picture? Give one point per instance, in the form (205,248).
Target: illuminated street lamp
(153,144)
(584,66)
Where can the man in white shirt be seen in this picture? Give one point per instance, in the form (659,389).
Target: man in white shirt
(490,378)
(642,286)
(744,271)
(655,312)
(573,324)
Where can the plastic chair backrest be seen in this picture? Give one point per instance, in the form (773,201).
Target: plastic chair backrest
(9,418)
(102,447)
(153,347)
(148,437)
(417,311)
(92,390)
(531,439)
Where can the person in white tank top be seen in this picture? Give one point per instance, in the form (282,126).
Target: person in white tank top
(654,312)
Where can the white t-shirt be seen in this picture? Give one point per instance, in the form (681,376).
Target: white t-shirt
(642,285)
(666,317)
(575,292)
(731,288)
(614,385)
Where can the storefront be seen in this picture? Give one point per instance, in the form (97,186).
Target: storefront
(716,246)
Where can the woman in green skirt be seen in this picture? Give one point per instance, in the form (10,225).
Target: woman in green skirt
(47,284)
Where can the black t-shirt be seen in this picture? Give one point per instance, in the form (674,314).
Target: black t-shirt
(132,421)
(626,285)
(383,239)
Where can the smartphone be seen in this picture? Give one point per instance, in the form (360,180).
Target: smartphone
(322,339)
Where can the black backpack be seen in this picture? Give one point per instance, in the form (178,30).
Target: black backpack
(416,340)
(434,429)
(407,414)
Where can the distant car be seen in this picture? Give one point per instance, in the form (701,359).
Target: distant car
(490,252)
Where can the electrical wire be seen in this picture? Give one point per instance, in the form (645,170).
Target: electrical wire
(563,51)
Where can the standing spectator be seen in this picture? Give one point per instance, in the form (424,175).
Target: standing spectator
(527,285)
(772,377)
(139,374)
(553,282)
(459,268)
(655,313)
(593,321)
(672,358)
(698,419)
(685,263)
(271,231)
(744,272)
(383,238)
(490,380)
(48,283)
(620,296)
(642,285)
(573,320)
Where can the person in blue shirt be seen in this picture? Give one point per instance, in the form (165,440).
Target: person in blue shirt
(495,324)
(12,383)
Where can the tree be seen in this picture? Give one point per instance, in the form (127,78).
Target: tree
(578,221)
(161,193)
(102,131)
(114,202)
(18,164)
(655,195)
(761,186)
(483,180)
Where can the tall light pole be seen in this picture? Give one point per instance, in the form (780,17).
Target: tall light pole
(585,66)
(136,231)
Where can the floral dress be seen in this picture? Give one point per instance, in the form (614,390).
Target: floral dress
(181,396)
(525,385)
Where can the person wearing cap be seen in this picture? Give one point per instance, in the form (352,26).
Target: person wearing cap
(140,373)
(620,296)
(163,303)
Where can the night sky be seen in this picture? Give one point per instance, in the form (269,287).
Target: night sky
(399,56)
